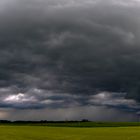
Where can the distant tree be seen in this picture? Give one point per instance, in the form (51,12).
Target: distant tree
(85,120)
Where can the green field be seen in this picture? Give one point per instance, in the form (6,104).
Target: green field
(68,133)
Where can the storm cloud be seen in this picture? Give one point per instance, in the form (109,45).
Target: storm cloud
(59,55)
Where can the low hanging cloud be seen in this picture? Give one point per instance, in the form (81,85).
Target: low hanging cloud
(60,54)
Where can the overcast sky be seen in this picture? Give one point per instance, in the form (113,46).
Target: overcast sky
(70,59)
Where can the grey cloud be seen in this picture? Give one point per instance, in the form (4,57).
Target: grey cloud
(115,100)
(71,50)
(73,113)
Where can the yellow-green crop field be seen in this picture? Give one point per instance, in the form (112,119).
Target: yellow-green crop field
(68,133)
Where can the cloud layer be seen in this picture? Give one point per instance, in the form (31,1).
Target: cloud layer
(59,54)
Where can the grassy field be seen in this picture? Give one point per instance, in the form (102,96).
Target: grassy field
(68,133)
(73,124)
(92,124)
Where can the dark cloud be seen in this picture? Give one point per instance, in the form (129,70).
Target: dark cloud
(61,54)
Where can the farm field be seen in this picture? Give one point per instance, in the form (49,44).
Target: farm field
(68,133)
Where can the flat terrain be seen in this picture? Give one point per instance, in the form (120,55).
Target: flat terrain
(68,133)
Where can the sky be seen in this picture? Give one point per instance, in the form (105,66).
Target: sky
(70,60)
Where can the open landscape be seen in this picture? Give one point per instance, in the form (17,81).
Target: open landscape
(45,132)
(69,69)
